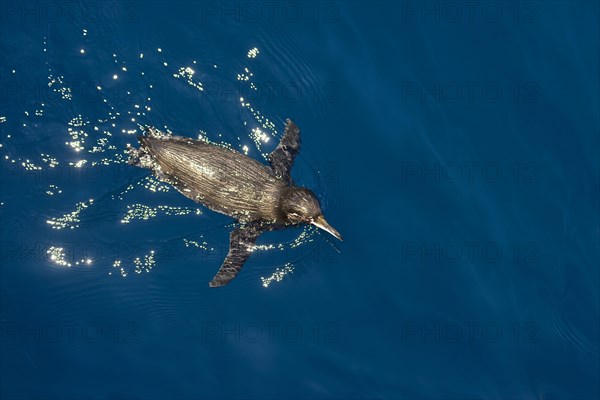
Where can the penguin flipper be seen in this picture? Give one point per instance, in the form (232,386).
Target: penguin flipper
(241,242)
(282,158)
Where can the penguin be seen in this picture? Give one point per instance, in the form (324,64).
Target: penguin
(260,198)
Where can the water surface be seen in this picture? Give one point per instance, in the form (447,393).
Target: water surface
(455,147)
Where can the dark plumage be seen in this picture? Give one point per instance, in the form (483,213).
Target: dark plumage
(259,197)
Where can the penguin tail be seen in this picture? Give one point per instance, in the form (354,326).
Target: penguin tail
(138,157)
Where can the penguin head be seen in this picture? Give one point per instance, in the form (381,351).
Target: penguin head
(300,205)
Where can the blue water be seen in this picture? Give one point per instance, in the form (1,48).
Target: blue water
(454,146)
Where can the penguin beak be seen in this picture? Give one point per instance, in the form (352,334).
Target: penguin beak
(320,222)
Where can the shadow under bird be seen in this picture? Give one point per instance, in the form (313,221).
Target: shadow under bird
(259,197)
